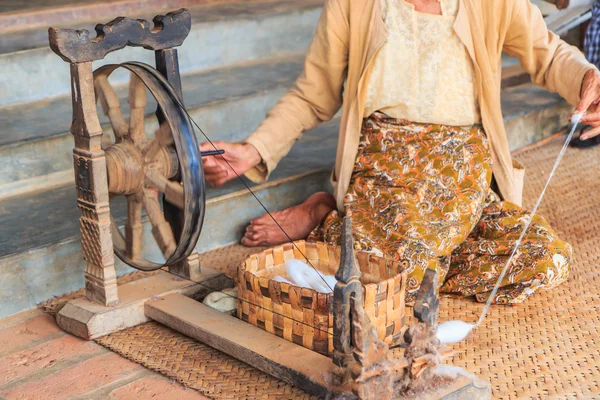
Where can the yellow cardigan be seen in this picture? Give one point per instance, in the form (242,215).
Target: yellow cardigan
(349,34)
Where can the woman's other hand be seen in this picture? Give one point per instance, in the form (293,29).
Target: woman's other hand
(590,100)
(240,156)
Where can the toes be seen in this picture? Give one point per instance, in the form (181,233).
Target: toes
(264,220)
(254,235)
(252,243)
(252,228)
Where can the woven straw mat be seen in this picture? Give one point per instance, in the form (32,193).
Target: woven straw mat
(548,347)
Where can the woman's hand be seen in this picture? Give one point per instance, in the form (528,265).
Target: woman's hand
(240,156)
(590,99)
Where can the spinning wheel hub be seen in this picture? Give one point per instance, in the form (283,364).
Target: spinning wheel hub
(129,170)
(124,166)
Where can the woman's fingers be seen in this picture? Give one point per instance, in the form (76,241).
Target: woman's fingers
(213,177)
(237,159)
(591,133)
(214,168)
(590,91)
(209,162)
(207,146)
(217,179)
(590,118)
(585,102)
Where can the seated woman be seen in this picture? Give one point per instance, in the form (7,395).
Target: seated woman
(423,166)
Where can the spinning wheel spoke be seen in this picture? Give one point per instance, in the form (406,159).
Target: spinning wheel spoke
(134,229)
(137,104)
(173,190)
(162,138)
(161,230)
(110,106)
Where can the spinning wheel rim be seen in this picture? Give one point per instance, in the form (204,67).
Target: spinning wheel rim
(190,161)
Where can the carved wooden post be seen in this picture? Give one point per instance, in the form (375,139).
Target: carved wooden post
(348,287)
(357,348)
(92,189)
(427,304)
(76,48)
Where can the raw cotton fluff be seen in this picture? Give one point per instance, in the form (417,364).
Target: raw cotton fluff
(301,274)
(453,331)
(224,301)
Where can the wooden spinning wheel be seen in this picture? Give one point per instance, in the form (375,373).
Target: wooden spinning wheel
(141,169)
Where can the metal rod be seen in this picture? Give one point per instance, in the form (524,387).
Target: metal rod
(211,153)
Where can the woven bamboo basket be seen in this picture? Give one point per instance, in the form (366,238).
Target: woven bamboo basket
(303,315)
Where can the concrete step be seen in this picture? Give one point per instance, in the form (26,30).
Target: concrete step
(513,74)
(227,103)
(40,248)
(16,16)
(222,34)
(532,114)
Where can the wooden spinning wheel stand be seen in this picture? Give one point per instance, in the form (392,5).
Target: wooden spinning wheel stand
(139,168)
(136,167)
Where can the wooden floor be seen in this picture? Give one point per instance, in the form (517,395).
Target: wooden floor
(38,361)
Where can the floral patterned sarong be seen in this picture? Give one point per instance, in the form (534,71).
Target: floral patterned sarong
(421,193)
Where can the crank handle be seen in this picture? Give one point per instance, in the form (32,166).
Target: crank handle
(212,153)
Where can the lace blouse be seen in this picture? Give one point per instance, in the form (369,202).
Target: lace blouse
(423,73)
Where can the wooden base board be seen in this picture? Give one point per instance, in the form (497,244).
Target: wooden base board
(89,320)
(271,354)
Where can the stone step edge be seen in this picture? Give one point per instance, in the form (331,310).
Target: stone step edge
(215,200)
(60,178)
(279,58)
(84,12)
(36,184)
(64,263)
(56,179)
(45,182)
(34,37)
(274,26)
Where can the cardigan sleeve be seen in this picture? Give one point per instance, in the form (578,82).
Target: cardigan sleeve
(315,97)
(552,63)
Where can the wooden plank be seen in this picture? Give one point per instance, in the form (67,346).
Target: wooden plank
(89,320)
(273,355)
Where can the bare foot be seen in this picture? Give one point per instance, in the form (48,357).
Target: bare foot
(297,222)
